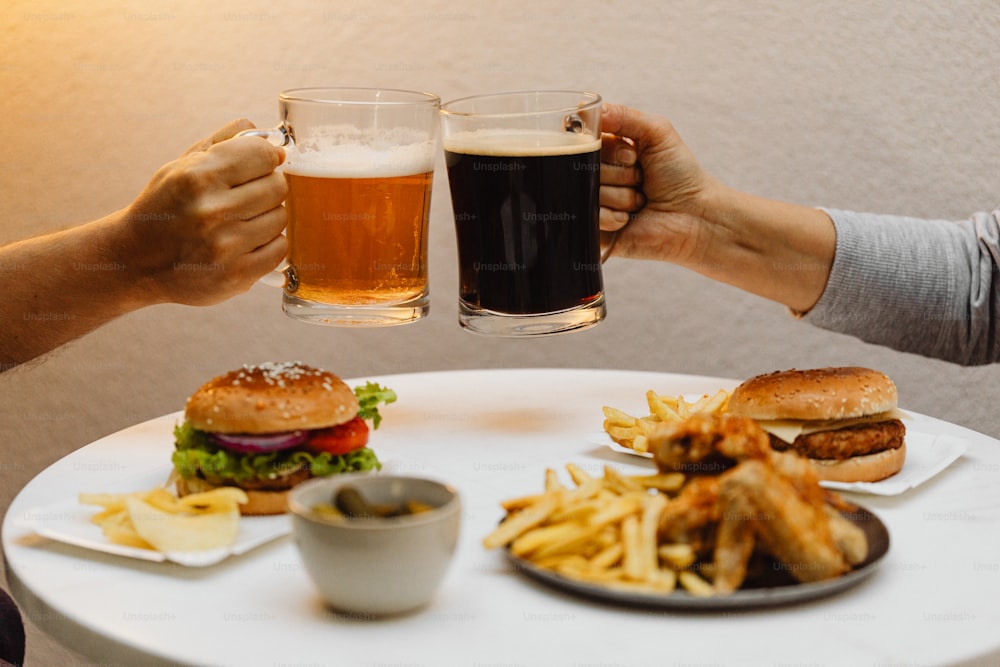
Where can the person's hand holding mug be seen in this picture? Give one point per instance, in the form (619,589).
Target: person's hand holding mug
(652,187)
(664,206)
(208,225)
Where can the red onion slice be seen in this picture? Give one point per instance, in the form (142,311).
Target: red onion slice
(250,443)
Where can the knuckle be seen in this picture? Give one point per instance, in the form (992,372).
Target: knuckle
(221,246)
(207,214)
(193,179)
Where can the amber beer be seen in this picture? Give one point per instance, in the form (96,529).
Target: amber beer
(359,165)
(360,238)
(526,218)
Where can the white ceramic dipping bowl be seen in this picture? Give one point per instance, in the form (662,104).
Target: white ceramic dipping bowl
(376,566)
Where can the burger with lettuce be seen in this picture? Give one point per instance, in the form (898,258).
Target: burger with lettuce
(266,428)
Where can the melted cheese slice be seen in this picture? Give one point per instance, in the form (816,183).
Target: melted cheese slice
(789,429)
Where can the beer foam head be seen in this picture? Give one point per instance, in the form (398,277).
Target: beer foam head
(521,143)
(349,152)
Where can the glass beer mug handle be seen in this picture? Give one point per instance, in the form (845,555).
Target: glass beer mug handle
(279,136)
(608,241)
(573,123)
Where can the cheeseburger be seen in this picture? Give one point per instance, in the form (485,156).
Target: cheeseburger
(844,420)
(269,427)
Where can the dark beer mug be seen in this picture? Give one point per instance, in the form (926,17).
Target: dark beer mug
(524,172)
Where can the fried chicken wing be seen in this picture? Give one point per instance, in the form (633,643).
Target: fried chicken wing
(743,498)
(691,517)
(707,443)
(787,526)
(849,538)
(734,542)
(801,474)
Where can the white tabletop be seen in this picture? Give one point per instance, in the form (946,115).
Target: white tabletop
(934,600)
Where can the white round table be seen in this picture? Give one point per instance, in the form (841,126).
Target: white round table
(492,433)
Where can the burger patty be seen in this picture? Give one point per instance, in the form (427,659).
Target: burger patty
(281,481)
(843,443)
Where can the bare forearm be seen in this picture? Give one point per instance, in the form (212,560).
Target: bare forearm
(777,250)
(58,287)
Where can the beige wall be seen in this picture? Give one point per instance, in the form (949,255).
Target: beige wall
(862,104)
(882,105)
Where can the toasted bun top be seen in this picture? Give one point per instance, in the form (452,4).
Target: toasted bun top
(270,398)
(820,393)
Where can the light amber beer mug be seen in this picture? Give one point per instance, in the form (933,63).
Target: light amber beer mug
(524,173)
(359,167)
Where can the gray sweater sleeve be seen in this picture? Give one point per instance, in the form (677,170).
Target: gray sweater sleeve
(931,287)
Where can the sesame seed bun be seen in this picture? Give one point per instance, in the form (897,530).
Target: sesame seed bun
(816,394)
(271,398)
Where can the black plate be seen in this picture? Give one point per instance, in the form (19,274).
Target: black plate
(756,594)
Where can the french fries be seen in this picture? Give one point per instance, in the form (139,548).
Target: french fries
(722,511)
(633,432)
(157,519)
(600,530)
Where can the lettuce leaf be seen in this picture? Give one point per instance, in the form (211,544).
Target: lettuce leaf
(369,396)
(195,455)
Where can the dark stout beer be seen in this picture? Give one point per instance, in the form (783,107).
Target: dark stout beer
(526,217)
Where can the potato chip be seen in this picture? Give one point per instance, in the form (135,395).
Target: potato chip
(157,519)
(169,531)
(221,499)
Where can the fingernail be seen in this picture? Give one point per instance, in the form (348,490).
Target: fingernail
(625,155)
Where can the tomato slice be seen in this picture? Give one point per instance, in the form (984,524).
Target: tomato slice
(340,439)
